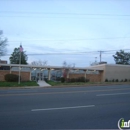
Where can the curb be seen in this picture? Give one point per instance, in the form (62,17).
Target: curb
(88,85)
(26,87)
(62,86)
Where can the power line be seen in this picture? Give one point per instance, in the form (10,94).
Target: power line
(56,13)
(65,17)
(70,39)
(76,53)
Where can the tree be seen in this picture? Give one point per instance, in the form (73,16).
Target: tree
(122,57)
(67,68)
(3,44)
(15,57)
(39,63)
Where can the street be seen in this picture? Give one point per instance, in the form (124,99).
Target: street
(95,107)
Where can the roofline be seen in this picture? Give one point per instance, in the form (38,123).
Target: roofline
(50,67)
(120,65)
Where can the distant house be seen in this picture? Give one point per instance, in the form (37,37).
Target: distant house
(4,67)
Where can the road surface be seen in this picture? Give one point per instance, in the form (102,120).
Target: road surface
(98,107)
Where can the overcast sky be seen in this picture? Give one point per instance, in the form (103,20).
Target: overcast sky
(66,26)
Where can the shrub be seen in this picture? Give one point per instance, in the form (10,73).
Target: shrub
(73,80)
(62,79)
(122,80)
(87,80)
(82,79)
(125,80)
(46,79)
(106,80)
(58,79)
(68,80)
(113,80)
(116,80)
(11,78)
(78,80)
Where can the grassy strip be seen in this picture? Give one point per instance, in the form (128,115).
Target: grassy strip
(52,83)
(15,84)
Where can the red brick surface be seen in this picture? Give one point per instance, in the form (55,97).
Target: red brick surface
(25,76)
(91,77)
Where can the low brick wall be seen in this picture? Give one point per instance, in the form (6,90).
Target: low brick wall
(25,76)
(91,77)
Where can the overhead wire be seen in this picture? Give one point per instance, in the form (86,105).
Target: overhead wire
(62,15)
(76,53)
(68,39)
(56,13)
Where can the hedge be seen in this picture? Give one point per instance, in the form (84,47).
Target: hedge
(11,78)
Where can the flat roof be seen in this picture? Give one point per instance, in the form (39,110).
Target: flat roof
(51,67)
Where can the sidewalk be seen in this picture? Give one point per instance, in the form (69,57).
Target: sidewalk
(43,84)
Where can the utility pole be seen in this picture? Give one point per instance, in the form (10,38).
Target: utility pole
(100,55)
(95,59)
(20,51)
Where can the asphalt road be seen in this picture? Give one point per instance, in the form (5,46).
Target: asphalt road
(98,107)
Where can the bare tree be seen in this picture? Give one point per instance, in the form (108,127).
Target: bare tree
(67,68)
(3,44)
(39,63)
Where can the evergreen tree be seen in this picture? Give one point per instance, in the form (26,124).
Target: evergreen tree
(122,57)
(15,56)
(3,44)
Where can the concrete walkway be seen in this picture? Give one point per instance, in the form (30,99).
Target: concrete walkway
(43,83)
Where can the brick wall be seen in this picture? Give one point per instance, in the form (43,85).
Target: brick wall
(25,76)
(91,77)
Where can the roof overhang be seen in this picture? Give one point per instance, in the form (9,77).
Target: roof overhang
(52,67)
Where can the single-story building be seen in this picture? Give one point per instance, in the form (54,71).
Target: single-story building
(97,73)
(114,71)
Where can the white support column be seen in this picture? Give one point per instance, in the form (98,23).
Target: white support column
(85,75)
(55,74)
(10,69)
(49,74)
(31,73)
(67,73)
(43,74)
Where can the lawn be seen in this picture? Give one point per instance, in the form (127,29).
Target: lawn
(15,84)
(74,83)
(52,83)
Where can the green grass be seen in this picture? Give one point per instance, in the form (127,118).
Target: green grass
(74,83)
(52,83)
(15,84)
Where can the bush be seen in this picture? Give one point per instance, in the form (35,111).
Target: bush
(46,79)
(82,79)
(58,79)
(68,80)
(122,80)
(73,80)
(87,80)
(125,80)
(11,78)
(106,80)
(116,80)
(113,80)
(62,79)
